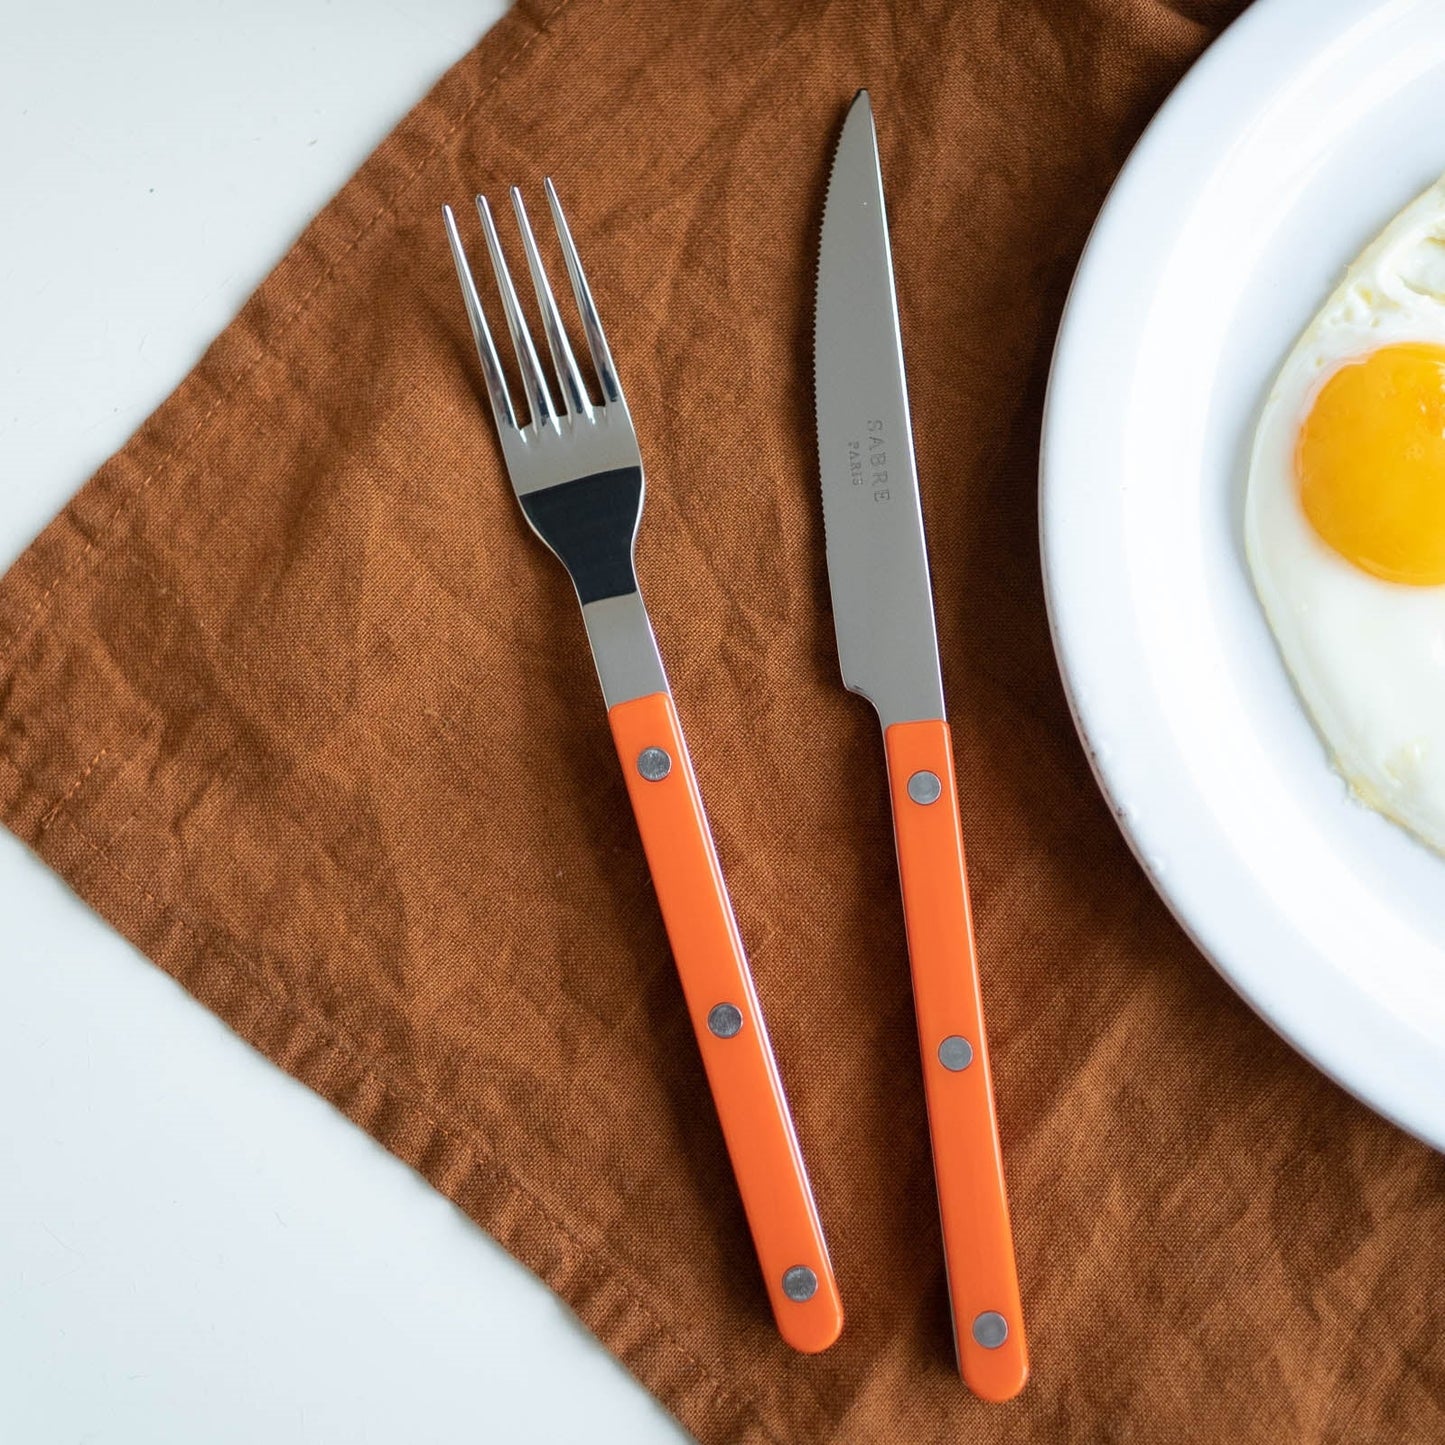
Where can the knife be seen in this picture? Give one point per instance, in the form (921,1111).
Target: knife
(888,648)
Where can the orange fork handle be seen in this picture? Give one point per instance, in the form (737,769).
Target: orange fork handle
(978,1245)
(728,1022)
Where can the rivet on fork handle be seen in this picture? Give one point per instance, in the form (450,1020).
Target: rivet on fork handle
(654,764)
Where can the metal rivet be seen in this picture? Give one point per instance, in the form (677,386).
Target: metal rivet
(955,1053)
(725,1020)
(924,787)
(800,1283)
(654,764)
(990,1329)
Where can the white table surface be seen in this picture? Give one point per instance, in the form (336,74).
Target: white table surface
(165,1275)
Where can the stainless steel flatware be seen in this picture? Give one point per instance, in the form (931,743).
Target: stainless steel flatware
(576,468)
(883,613)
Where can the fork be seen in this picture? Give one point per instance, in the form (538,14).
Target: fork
(577,473)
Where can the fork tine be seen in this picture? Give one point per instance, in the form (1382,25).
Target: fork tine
(596,341)
(491,363)
(539,398)
(574,391)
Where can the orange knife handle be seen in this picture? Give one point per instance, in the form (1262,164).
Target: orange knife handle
(977,1239)
(728,1022)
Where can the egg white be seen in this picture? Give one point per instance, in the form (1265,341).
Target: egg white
(1368,656)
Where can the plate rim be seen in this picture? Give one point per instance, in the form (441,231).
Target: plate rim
(1395,1072)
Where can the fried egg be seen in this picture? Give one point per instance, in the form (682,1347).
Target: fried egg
(1345,519)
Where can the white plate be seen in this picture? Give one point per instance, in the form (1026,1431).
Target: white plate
(1295,138)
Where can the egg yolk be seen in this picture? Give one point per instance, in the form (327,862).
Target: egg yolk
(1371,463)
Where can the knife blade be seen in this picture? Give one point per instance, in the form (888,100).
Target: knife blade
(888,650)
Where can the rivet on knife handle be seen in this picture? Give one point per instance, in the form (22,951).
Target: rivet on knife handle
(728,1022)
(973,1207)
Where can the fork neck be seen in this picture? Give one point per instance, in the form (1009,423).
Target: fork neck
(623,647)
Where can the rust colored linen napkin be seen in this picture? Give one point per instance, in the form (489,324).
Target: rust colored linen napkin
(290,695)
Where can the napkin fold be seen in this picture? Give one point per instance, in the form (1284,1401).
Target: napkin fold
(289,694)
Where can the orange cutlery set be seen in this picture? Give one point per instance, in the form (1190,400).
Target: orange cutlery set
(576,468)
